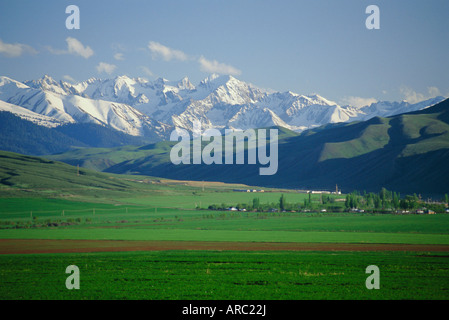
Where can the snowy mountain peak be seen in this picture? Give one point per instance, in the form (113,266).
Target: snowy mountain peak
(160,81)
(185,84)
(124,81)
(291,93)
(219,79)
(318,98)
(91,80)
(140,107)
(46,80)
(123,77)
(211,78)
(49,84)
(214,81)
(5,81)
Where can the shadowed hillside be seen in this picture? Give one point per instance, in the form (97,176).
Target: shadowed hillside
(408,153)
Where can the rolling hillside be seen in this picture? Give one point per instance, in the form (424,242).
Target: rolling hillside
(407,153)
(36,176)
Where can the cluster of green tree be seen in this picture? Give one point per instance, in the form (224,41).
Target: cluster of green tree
(255,205)
(310,204)
(387,200)
(384,201)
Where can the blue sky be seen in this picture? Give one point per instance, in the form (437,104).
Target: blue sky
(303,46)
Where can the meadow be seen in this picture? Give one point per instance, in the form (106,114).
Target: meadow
(155,214)
(216,275)
(128,221)
(227,275)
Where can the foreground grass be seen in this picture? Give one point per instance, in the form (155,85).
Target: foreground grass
(222,235)
(225,275)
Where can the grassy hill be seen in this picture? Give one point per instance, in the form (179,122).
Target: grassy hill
(28,175)
(104,159)
(407,153)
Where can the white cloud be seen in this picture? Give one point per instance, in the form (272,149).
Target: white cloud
(358,101)
(414,97)
(106,67)
(119,56)
(159,50)
(210,66)
(56,51)
(15,50)
(217,67)
(147,71)
(68,78)
(75,47)
(433,91)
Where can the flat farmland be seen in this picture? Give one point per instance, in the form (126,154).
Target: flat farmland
(227,275)
(163,243)
(142,253)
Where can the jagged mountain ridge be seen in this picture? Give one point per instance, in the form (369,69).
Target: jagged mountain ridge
(140,107)
(61,102)
(407,153)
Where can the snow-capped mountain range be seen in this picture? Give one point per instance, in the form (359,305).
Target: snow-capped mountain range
(141,108)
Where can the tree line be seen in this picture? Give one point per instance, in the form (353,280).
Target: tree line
(390,200)
(383,201)
(309,204)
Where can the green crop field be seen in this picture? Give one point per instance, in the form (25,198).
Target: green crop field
(225,275)
(223,235)
(42,199)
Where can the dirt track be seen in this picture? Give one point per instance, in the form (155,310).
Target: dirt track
(22,246)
